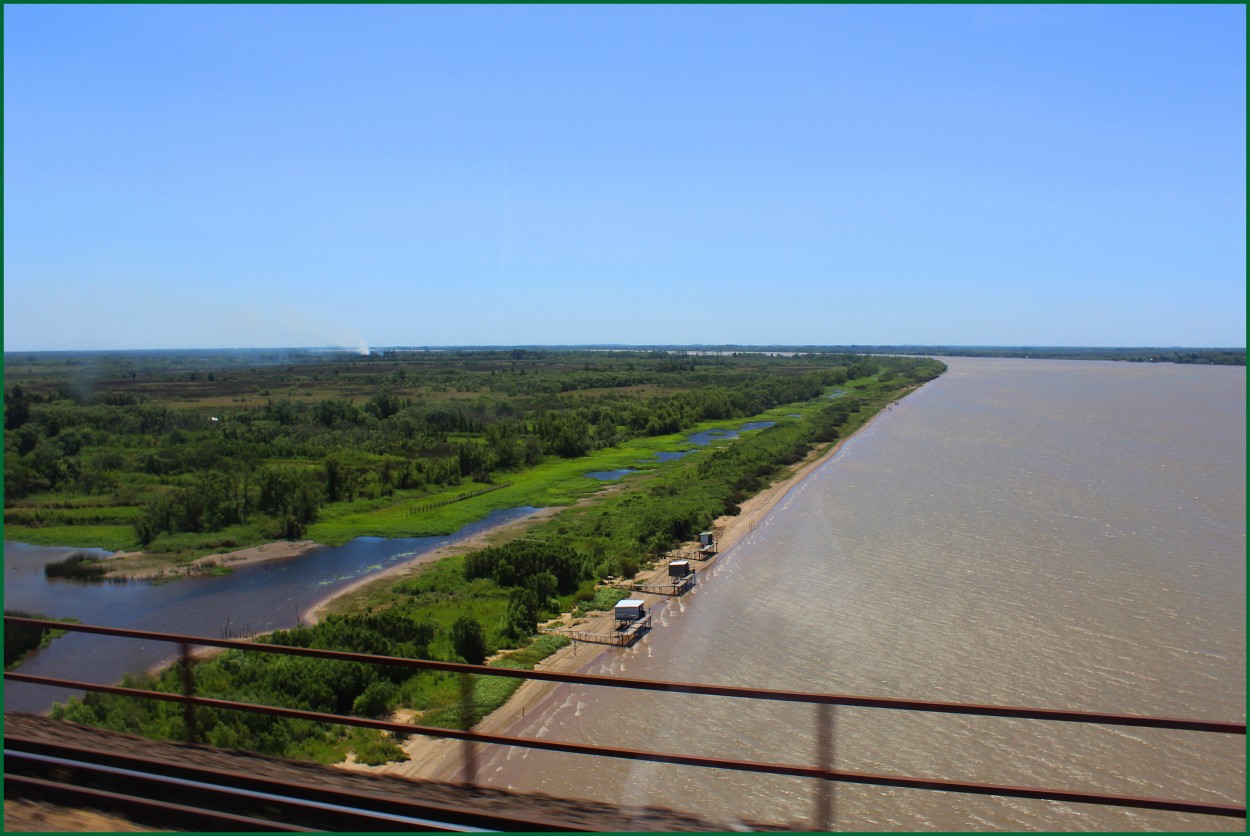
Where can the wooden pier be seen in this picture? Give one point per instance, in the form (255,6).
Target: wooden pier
(619,638)
(676,586)
(694,552)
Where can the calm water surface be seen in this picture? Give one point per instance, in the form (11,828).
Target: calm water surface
(1021,532)
(253,598)
(610,475)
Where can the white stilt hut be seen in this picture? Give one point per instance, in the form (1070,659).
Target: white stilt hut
(629,610)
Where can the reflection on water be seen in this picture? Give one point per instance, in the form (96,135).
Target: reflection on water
(609,475)
(707,437)
(253,598)
(673,456)
(720,433)
(1019,532)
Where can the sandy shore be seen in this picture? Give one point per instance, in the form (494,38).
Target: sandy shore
(444,760)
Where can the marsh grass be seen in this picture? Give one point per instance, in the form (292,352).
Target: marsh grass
(491,692)
(112,537)
(79,566)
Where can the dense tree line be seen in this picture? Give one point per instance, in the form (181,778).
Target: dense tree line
(1191,356)
(275,466)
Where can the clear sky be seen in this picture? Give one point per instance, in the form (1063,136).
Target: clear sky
(237,176)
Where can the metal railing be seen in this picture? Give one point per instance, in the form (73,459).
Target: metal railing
(824,705)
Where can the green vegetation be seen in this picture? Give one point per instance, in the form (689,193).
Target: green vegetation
(469,640)
(314,685)
(442,441)
(604,599)
(186,454)
(21,640)
(79,566)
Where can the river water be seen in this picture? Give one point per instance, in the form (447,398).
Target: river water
(253,598)
(1056,534)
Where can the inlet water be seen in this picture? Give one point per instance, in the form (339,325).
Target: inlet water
(609,475)
(256,598)
(707,437)
(671,456)
(721,434)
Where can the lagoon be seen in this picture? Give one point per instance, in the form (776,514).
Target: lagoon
(253,598)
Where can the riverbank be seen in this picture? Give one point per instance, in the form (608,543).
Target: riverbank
(440,759)
(387,577)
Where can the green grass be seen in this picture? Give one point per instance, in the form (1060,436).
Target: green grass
(604,600)
(373,748)
(490,692)
(553,482)
(184,547)
(78,515)
(113,537)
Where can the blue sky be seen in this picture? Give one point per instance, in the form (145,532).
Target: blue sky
(234,176)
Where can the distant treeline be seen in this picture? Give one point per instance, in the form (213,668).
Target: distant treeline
(1199,356)
(142,364)
(1147,354)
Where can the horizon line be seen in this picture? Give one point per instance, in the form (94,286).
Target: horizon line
(359,349)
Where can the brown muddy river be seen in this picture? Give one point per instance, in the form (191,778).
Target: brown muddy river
(1055,534)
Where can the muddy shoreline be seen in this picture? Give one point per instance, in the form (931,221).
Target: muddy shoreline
(441,759)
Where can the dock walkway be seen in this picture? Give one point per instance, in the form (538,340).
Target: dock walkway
(617,638)
(677,586)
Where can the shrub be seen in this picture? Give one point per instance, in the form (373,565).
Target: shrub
(469,640)
(21,639)
(79,566)
(375,701)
